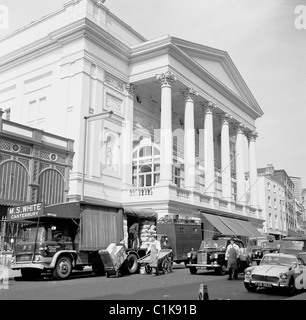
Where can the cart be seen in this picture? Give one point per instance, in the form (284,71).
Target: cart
(113,259)
(164,261)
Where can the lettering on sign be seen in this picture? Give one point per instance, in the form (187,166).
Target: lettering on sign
(26,211)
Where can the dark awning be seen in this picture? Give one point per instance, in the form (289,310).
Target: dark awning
(232,226)
(235,226)
(218,224)
(248,226)
(141,213)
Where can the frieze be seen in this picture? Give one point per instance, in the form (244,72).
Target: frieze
(145,122)
(5,145)
(113,104)
(114,82)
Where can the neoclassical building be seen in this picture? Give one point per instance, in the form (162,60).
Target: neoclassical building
(182,135)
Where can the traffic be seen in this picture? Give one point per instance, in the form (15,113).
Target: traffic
(72,236)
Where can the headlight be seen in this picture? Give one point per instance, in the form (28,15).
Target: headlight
(216,256)
(37,258)
(248,272)
(283,276)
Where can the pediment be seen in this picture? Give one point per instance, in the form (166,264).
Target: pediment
(219,64)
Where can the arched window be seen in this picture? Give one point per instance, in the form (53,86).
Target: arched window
(146,166)
(14,180)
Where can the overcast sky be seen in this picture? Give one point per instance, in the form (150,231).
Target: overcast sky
(261,38)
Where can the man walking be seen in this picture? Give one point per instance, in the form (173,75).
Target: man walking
(232,255)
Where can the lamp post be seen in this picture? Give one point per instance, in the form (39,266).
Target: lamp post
(87,119)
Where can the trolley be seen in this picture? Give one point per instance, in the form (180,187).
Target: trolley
(113,260)
(164,261)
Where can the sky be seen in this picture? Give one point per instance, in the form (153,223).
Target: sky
(266,40)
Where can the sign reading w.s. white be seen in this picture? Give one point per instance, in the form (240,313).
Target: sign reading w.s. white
(34,210)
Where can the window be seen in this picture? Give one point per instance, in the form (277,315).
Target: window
(7,114)
(268,185)
(269,201)
(146,166)
(275,204)
(178,173)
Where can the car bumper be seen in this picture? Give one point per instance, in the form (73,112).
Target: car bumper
(199,266)
(17,266)
(266,284)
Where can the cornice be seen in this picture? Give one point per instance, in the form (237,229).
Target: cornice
(83,28)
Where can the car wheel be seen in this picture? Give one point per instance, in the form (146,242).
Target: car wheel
(193,270)
(250,287)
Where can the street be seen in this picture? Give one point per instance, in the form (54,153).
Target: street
(179,285)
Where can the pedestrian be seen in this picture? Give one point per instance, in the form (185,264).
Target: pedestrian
(232,255)
(154,248)
(133,235)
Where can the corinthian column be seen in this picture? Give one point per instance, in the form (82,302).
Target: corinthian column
(209,158)
(127,136)
(226,158)
(166,79)
(240,178)
(189,138)
(253,169)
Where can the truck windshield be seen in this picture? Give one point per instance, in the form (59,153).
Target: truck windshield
(28,234)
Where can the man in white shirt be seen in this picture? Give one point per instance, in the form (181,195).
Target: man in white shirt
(154,248)
(232,255)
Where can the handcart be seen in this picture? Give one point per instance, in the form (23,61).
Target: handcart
(113,259)
(164,261)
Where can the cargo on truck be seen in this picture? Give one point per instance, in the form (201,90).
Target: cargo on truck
(69,236)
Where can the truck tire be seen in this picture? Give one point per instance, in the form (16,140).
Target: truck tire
(30,274)
(132,263)
(62,268)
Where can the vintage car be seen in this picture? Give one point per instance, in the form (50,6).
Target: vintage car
(265,247)
(277,270)
(258,246)
(211,256)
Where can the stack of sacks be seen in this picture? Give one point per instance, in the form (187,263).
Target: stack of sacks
(125,233)
(145,233)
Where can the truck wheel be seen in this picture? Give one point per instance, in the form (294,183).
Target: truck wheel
(132,263)
(63,268)
(193,270)
(30,274)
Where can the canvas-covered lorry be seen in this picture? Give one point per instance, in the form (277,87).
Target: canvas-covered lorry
(68,236)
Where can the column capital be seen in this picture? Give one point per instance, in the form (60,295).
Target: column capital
(189,93)
(131,89)
(225,117)
(240,128)
(166,79)
(252,135)
(208,106)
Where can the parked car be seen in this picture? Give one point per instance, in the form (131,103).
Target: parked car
(277,270)
(211,256)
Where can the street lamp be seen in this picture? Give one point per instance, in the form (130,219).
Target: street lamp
(87,119)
